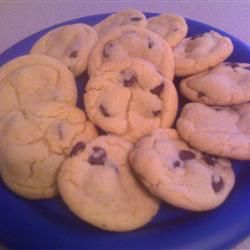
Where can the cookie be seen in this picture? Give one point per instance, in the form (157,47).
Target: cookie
(34,145)
(226,84)
(135,41)
(201,52)
(99,187)
(116,20)
(130,99)
(31,79)
(180,175)
(171,27)
(218,130)
(70,44)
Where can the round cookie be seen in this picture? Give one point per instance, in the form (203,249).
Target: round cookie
(218,130)
(171,27)
(135,41)
(34,145)
(226,84)
(99,187)
(31,79)
(116,20)
(130,99)
(201,52)
(180,175)
(70,44)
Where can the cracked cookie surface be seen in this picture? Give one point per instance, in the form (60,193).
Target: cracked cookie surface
(32,79)
(135,41)
(225,84)
(171,27)
(99,187)
(70,44)
(34,145)
(130,99)
(201,52)
(125,17)
(218,130)
(181,175)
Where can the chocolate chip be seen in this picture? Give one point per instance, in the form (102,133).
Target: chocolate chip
(232,64)
(60,131)
(128,78)
(201,94)
(158,89)
(104,111)
(135,19)
(150,43)
(186,155)
(79,147)
(247,68)
(209,159)
(217,183)
(106,48)
(73,54)
(196,36)
(155,113)
(177,164)
(98,156)
(100,131)
(218,109)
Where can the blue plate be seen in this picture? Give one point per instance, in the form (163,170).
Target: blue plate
(48,224)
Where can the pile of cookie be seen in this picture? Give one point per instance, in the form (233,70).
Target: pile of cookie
(49,146)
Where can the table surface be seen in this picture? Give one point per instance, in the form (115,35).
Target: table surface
(22,18)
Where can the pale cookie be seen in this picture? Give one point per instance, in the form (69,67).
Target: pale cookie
(226,84)
(171,27)
(70,44)
(222,131)
(31,79)
(130,99)
(201,52)
(116,20)
(99,187)
(180,175)
(131,40)
(33,146)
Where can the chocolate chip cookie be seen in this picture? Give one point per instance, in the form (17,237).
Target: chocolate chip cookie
(98,186)
(135,41)
(218,130)
(118,19)
(201,52)
(171,27)
(34,144)
(130,99)
(225,84)
(180,175)
(70,44)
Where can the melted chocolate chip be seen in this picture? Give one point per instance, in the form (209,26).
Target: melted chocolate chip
(135,19)
(60,131)
(196,36)
(79,147)
(98,156)
(129,79)
(158,89)
(150,43)
(100,131)
(217,183)
(186,155)
(177,164)
(73,54)
(218,109)
(104,111)
(209,159)
(155,113)
(247,68)
(201,94)
(106,48)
